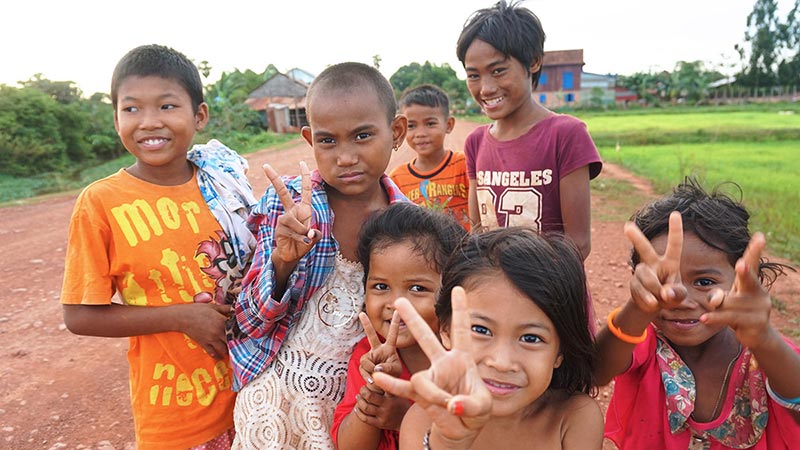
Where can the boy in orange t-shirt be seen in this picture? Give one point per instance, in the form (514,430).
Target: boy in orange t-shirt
(167,237)
(437,177)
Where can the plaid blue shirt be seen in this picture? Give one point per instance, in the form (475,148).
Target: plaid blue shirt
(261,323)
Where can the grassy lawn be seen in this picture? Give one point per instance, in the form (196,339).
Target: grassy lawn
(765,171)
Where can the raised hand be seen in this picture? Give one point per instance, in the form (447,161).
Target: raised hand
(294,236)
(746,307)
(382,356)
(451,391)
(656,283)
(374,406)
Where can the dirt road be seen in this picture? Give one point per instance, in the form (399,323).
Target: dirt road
(61,391)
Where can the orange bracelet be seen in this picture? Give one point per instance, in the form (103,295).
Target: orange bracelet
(627,338)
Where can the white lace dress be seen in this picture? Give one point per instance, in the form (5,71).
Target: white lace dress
(290,405)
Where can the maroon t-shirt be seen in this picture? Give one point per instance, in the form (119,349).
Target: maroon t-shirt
(518,180)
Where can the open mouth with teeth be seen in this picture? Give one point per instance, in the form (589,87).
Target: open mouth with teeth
(492,101)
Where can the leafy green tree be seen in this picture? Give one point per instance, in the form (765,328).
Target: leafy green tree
(64,92)
(443,76)
(772,56)
(30,136)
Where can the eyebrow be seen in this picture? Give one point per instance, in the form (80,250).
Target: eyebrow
(537,325)
(160,97)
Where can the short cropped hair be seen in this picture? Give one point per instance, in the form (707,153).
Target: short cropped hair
(354,77)
(716,218)
(160,61)
(510,28)
(549,271)
(426,95)
(432,234)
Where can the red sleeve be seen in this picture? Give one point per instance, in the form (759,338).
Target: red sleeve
(354,384)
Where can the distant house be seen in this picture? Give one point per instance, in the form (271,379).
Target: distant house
(597,90)
(560,80)
(281,100)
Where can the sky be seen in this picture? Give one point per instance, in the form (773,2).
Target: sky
(82,40)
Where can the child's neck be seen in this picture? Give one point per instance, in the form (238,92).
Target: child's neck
(426,163)
(520,121)
(414,358)
(721,345)
(350,212)
(171,175)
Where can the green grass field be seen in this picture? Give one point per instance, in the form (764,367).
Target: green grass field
(767,173)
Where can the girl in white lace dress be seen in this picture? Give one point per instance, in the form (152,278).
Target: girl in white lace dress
(296,321)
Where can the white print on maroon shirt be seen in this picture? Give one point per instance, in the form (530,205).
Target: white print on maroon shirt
(518,204)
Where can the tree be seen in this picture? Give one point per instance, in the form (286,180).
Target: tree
(64,92)
(30,138)
(772,57)
(443,76)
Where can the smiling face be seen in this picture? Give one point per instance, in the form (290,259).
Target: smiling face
(501,85)
(400,271)
(515,345)
(427,128)
(156,123)
(703,268)
(352,139)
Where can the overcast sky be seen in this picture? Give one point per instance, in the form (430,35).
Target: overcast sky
(82,41)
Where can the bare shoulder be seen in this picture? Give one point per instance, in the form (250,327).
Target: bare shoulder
(582,422)
(415,424)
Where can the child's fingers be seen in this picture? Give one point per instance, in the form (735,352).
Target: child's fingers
(647,254)
(395,386)
(372,335)
(474,405)
(305,190)
(716,298)
(672,254)
(460,332)
(394,326)
(747,266)
(644,285)
(672,295)
(423,334)
(280,188)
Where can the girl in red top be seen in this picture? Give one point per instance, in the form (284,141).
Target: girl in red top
(403,250)
(695,360)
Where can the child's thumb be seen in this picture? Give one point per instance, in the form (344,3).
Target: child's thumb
(314,235)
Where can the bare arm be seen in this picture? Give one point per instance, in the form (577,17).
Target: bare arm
(357,435)
(655,284)
(576,209)
(203,322)
(472,205)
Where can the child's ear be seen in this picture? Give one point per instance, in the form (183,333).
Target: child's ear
(306,133)
(399,129)
(444,335)
(536,65)
(559,360)
(116,121)
(201,117)
(451,122)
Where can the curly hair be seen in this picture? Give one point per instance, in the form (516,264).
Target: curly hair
(716,218)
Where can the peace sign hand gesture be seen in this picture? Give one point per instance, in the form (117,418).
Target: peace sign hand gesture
(451,391)
(374,406)
(656,283)
(746,307)
(294,236)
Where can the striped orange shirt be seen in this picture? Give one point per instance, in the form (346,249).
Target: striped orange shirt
(444,188)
